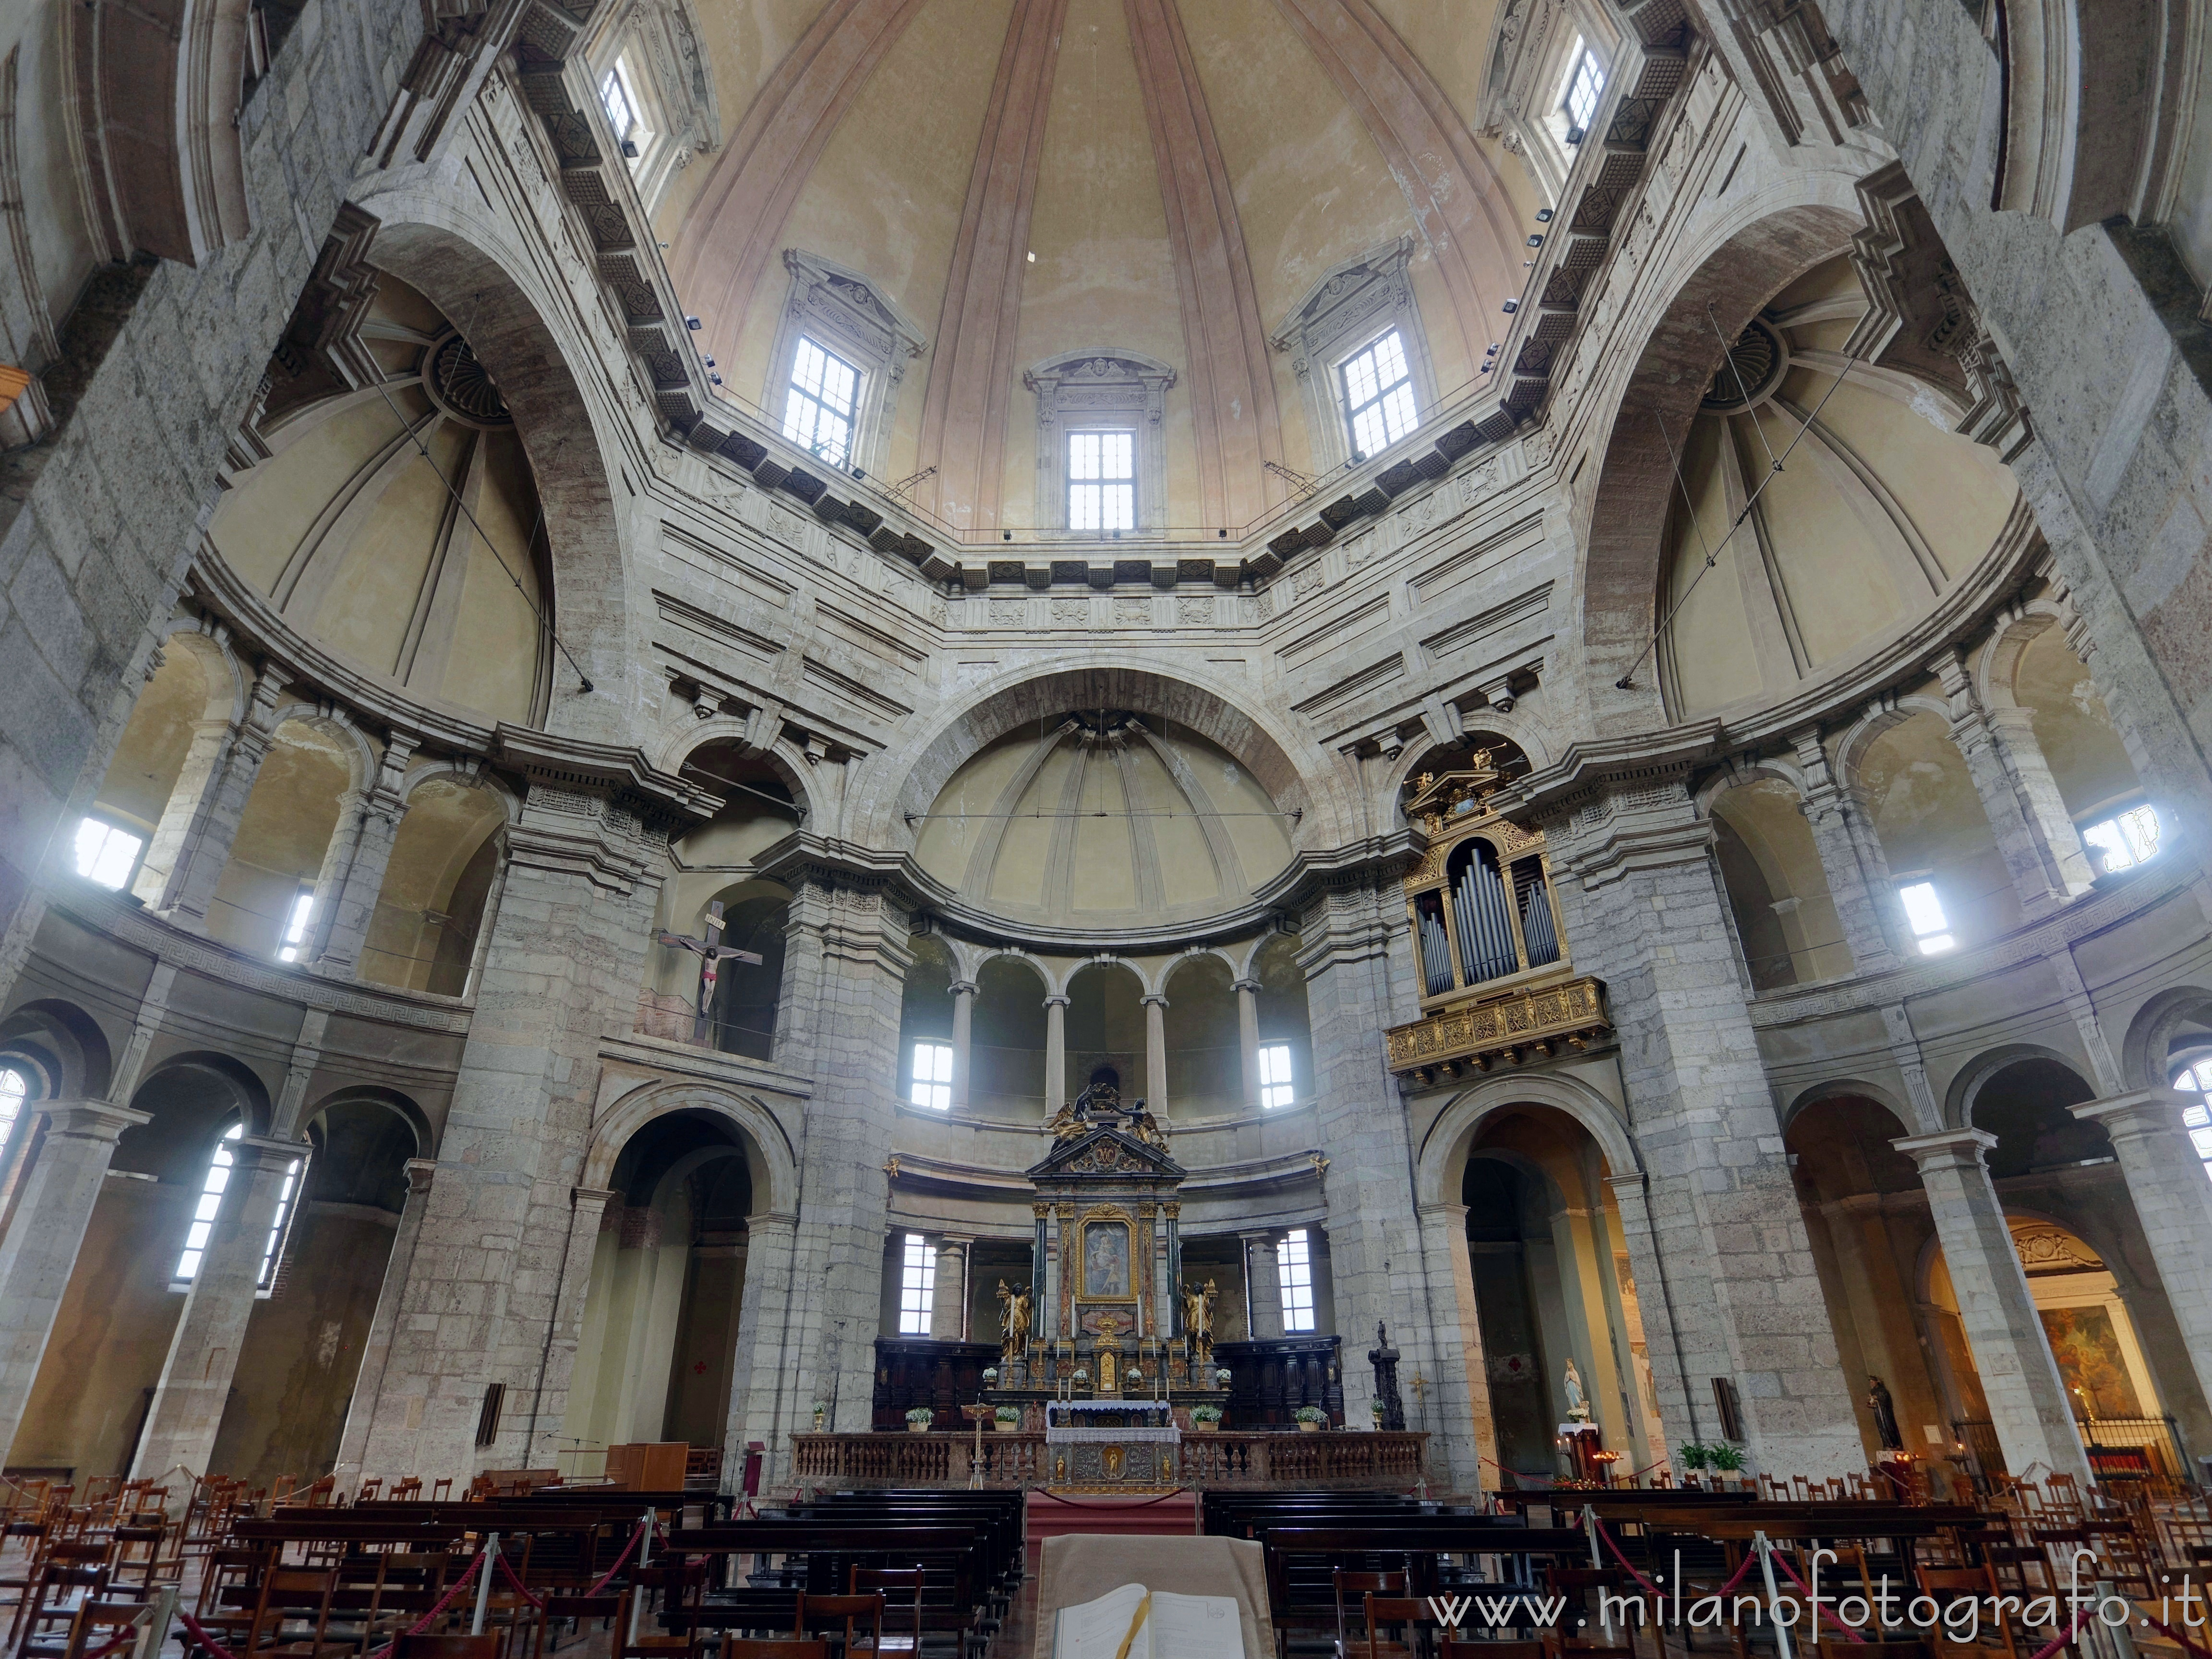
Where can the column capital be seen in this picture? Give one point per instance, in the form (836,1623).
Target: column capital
(420,1171)
(1252,985)
(1441,1210)
(761,1224)
(267,1152)
(955,1241)
(963,987)
(88,1120)
(591,1197)
(2139,1111)
(1947,1149)
(1057,1001)
(1155,1001)
(1268,1236)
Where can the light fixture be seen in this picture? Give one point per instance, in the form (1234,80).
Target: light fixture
(1536,239)
(1005,535)
(710,362)
(663,246)
(858,473)
(1032,256)
(1543,216)
(693,323)
(716,378)
(1512,306)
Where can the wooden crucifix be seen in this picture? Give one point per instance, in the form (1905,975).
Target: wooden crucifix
(712,953)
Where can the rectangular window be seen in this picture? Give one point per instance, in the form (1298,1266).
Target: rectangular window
(917,1286)
(2198,1119)
(1102,481)
(818,405)
(1585,83)
(2123,841)
(1378,396)
(1294,1263)
(1275,1074)
(932,1075)
(623,115)
(104,854)
(264,1281)
(1925,911)
(295,925)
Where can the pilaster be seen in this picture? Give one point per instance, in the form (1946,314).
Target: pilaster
(1828,811)
(352,878)
(1248,1039)
(204,847)
(376,1351)
(2028,857)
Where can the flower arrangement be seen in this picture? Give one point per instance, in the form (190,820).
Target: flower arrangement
(1221,1377)
(1205,1419)
(821,1414)
(1008,1418)
(918,1419)
(990,1377)
(1310,1418)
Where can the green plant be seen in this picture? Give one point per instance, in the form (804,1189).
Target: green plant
(1692,1455)
(1726,1458)
(1206,1413)
(1312,1415)
(1008,1413)
(920,1414)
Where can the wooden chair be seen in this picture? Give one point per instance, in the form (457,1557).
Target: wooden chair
(108,1621)
(681,1587)
(900,1589)
(1948,1585)
(227,1577)
(2123,1557)
(368,1489)
(293,1596)
(1404,1613)
(1358,1586)
(858,1620)
(576,1609)
(125,1545)
(63,1586)
(440,1491)
(13,1587)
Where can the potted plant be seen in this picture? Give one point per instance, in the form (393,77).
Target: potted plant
(1310,1418)
(917,1420)
(1375,1407)
(1222,1378)
(821,1414)
(1726,1458)
(1008,1419)
(1205,1419)
(1694,1456)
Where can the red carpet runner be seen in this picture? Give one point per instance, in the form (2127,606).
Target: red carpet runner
(1174,1515)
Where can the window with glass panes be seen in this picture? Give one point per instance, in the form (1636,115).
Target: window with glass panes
(2198,1119)
(1275,1074)
(917,1286)
(1294,1265)
(819,404)
(15,1090)
(104,854)
(210,1204)
(1102,481)
(1923,912)
(1585,83)
(2122,840)
(621,106)
(295,925)
(932,1075)
(1378,395)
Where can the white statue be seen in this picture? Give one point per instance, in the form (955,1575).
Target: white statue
(1577,1402)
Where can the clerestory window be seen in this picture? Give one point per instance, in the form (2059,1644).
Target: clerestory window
(1102,481)
(1294,1265)
(917,1286)
(820,401)
(1378,395)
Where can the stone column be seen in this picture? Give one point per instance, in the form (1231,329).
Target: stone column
(1055,1054)
(53,1205)
(352,878)
(1248,1038)
(1156,1055)
(195,1383)
(203,843)
(187,804)
(2173,1203)
(1263,1285)
(1721,1229)
(1456,1413)
(2038,792)
(963,1023)
(376,1352)
(2020,1379)
(556,1370)
(2028,857)
(1869,922)
(948,1307)
(764,1405)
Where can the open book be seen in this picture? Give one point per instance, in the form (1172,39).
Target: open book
(1165,1627)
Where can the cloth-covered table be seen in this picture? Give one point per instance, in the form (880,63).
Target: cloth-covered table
(1079,1567)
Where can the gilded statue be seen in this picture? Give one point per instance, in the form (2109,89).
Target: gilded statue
(1146,1129)
(1014,1322)
(1065,1124)
(1198,1322)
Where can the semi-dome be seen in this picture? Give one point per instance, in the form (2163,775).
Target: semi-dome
(1107,818)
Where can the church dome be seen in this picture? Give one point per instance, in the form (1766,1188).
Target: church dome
(1103,819)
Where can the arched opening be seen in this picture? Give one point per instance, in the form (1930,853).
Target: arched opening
(113,1331)
(431,905)
(1205,1046)
(1936,838)
(1785,917)
(265,901)
(1007,1042)
(1285,1028)
(177,730)
(1562,1332)
(661,1317)
(2099,791)
(301,1356)
(1105,1027)
(925,1049)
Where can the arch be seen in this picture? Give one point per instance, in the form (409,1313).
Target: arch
(1967,1085)
(388,1100)
(2152,1033)
(246,1094)
(1886,714)
(64,1040)
(1442,1157)
(467,771)
(229,683)
(775,1159)
(1908,1119)
(1762,250)
(1297,776)
(1999,662)
(781,757)
(334,721)
(459,267)
(1745,770)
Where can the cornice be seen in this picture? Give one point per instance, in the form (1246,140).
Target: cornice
(706,1065)
(576,763)
(920,1172)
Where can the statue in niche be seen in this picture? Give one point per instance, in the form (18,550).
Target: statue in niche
(1578,1408)
(1198,1322)
(1885,1413)
(1109,1379)
(1014,1322)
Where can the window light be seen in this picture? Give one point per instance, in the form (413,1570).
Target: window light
(1925,911)
(1585,83)
(15,1090)
(1294,1265)
(1378,395)
(818,405)
(1275,1075)
(295,925)
(104,854)
(210,1202)
(917,1286)
(1102,481)
(263,1279)
(2125,839)
(932,1075)
(622,114)
(2198,1119)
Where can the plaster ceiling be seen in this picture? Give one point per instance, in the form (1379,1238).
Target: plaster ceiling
(1027,178)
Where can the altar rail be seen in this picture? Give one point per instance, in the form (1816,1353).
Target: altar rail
(1219,1462)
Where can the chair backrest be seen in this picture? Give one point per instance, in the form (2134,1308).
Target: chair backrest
(865,1612)
(1390,1611)
(1945,1584)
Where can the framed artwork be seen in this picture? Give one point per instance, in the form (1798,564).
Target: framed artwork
(1106,1259)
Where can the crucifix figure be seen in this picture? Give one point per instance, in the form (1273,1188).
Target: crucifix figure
(712,953)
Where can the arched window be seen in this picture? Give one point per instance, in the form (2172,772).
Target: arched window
(15,1090)
(210,1202)
(2197,1080)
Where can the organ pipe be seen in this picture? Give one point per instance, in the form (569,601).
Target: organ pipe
(1436,946)
(1479,906)
(1537,930)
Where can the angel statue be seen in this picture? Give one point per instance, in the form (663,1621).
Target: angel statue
(1014,1322)
(1198,1322)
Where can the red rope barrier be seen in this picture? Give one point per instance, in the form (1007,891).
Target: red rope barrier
(538,1601)
(117,1645)
(1788,1571)
(608,1576)
(1071,1503)
(1626,1562)
(435,1613)
(2081,1620)
(2175,1635)
(200,1635)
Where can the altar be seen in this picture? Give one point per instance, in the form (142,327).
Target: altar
(1112,1445)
